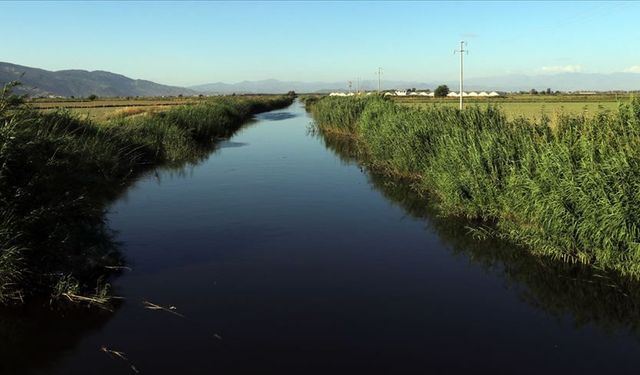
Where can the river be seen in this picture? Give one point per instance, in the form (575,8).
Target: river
(281,256)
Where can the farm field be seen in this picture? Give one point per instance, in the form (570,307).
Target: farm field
(106,109)
(109,108)
(529,106)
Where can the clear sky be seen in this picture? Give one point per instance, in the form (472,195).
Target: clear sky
(186,43)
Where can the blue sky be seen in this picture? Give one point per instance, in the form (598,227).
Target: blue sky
(186,43)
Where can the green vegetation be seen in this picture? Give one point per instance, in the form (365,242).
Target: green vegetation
(533,110)
(59,172)
(569,191)
(533,107)
(441,91)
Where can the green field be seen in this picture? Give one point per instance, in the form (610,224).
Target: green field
(105,109)
(535,110)
(530,106)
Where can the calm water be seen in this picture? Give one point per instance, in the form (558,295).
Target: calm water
(286,258)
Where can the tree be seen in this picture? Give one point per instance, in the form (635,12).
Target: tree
(533,92)
(441,91)
(291,93)
(92,97)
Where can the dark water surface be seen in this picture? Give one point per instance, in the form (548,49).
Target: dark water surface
(304,264)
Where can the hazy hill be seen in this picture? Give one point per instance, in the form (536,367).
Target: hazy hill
(562,82)
(82,83)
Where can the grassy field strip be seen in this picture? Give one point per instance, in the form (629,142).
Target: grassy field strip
(533,110)
(107,104)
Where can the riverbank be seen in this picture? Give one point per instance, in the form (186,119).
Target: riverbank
(566,191)
(58,173)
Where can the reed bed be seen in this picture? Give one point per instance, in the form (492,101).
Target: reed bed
(570,191)
(58,173)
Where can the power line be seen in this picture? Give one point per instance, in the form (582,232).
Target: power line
(461,51)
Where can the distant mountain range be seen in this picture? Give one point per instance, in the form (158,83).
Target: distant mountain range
(562,82)
(82,83)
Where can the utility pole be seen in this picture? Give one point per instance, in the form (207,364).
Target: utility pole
(462,51)
(379,74)
(350,83)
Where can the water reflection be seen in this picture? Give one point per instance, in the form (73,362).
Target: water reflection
(230,144)
(276,116)
(34,339)
(588,295)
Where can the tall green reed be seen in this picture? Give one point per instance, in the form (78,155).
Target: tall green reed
(569,191)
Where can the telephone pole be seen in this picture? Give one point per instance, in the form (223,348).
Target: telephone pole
(350,83)
(462,51)
(379,74)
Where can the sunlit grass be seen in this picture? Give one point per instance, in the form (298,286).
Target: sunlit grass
(570,191)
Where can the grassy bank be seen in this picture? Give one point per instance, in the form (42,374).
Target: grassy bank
(569,191)
(59,172)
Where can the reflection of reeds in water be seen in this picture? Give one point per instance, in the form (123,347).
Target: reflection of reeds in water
(590,295)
